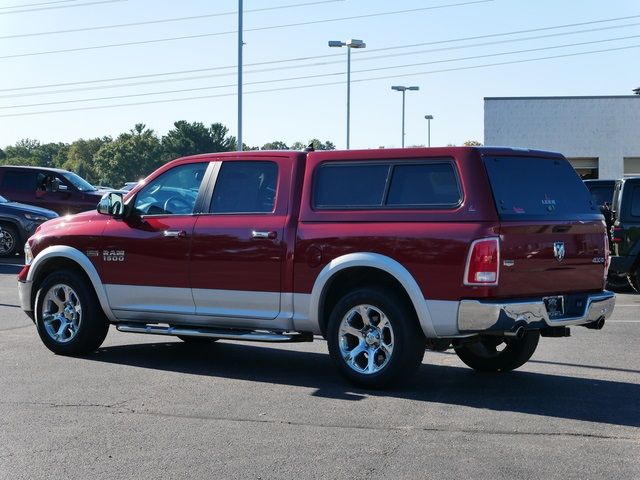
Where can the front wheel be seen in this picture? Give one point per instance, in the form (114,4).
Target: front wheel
(69,318)
(9,241)
(374,338)
(497,354)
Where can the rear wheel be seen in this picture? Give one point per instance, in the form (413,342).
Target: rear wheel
(9,241)
(634,280)
(374,338)
(617,283)
(69,318)
(497,354)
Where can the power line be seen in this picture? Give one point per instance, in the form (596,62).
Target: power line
(37,4)
(366,52)
(166,20)
(322,75)
(61,6)
(257,29)
(317,64)
(202,97)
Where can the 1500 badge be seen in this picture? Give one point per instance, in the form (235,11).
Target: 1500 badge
(113,255)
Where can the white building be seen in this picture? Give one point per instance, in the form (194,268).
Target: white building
(599,135)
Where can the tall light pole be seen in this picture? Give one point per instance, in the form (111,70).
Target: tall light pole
(403,89)
(349,44)
(240,44)
(429,118)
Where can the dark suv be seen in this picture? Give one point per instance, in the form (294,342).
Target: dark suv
(55,189)
(625,232)
(17,223)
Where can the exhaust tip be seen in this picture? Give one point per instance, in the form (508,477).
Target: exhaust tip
(596,325)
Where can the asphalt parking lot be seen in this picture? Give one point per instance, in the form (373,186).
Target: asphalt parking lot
(151,407)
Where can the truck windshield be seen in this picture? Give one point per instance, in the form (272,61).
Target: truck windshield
(537,188)
(79,182)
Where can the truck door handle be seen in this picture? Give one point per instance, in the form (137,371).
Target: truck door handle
(270,235)
(175,233)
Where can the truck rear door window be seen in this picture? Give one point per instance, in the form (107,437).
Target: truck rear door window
(537,188)
(245,187)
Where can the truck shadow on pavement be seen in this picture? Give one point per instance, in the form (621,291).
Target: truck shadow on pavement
(592,400)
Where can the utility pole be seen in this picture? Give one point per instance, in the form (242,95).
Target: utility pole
(240,44)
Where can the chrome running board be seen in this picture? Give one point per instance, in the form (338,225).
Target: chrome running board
(248,335)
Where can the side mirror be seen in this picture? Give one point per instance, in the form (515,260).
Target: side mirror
(112,203)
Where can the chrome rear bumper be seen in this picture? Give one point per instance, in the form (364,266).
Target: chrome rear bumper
(477,316)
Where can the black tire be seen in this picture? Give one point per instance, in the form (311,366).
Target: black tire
(10,242)
(197,340)
(634,280)
(86,324)
(618,283)
(399,329)
(484,355)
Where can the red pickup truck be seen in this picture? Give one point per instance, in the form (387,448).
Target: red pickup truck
(381,252)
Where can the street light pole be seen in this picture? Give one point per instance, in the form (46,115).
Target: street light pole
(240,43)
(403,89)
(349,44)
(429,118)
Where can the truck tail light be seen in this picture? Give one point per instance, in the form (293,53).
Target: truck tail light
(616,234)
(607,256)
(483,262)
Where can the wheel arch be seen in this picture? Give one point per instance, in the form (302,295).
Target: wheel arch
(61,256)
(365,269)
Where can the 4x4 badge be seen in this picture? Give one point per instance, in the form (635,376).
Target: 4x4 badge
(558,251)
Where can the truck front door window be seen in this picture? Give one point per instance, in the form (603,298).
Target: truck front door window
(172,193)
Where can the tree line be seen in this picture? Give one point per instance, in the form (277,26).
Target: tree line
(134,154)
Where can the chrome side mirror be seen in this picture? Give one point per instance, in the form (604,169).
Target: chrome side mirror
(112,203)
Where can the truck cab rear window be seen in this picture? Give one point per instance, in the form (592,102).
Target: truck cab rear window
(365,186)
(537,188)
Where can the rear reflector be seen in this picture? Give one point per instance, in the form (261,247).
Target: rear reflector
(483,262)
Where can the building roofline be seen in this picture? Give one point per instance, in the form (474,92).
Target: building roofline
(563,98)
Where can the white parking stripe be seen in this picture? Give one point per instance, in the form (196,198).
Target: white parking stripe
(623,321)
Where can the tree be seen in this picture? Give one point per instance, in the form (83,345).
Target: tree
(187,139)
(315,143)
(222,142)
(129,157)
(472,143)
(80,158)
(277,145)
(2,154)
(32,152)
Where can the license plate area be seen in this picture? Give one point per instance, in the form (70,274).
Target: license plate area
(555,306)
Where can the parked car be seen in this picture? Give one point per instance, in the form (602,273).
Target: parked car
(55,189)
(625,259)
(17,223)
(128,186)
(602,195)
(382,252)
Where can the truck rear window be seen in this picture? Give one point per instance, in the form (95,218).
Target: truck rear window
(537,188)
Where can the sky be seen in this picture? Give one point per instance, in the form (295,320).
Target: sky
(456,51)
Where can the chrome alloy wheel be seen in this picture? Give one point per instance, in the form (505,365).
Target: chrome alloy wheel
(61,313)
(366,339)
(7,241)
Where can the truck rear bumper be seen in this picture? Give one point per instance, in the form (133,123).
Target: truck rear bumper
(476,316)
